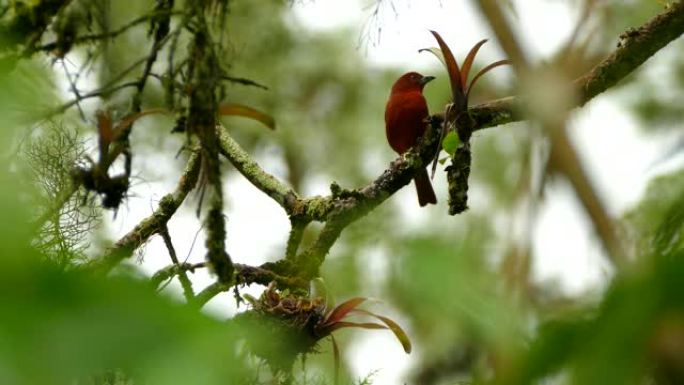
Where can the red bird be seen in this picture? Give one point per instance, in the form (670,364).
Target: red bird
(405,122)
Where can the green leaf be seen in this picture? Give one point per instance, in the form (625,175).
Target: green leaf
(237,109)
(130,119)
(668,235)
(361,325)
(450,143)
(320,289)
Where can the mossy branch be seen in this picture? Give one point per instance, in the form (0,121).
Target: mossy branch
(250,169)
(172,270)
(635,47)
(634,50)
(153,224)
(202,118)
(343,207)
(245,275)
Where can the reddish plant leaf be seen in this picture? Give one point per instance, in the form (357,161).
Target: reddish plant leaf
(484,71)
(104,126)
(104,131)
(344,324)
(393,326)
(237,109)
(468,63)
(130,119)
(457,88)
(343,309)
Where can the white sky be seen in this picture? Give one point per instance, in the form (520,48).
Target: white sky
(566,250)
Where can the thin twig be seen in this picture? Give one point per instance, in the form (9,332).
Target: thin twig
(107,88)
(244,81)
(182,277)
(110,34)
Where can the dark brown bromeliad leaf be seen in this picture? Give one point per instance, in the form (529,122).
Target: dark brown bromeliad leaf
(468,62)
(334,321)
(393,326)
(108,133)
(458,77)
(237,109)
(484,71)
(343,309)
(460,88)
(457,87)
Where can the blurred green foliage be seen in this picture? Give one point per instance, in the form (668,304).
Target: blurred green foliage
(465,307)
(657,224)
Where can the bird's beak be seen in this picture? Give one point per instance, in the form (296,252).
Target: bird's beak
(426,79)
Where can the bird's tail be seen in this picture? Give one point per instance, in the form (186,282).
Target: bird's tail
(426,194)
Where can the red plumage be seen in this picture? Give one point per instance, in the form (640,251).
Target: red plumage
(405,123)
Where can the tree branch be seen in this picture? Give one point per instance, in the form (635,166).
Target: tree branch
(110,34)
(262,180)
(343,207)
(153,224)
(295,238)
(338,212)
(172,270)
(204,74)
(634,49)
(182,277)
(246,275)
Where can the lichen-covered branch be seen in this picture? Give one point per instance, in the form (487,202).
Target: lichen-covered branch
(153,224)
(339,211)
(204,70)
(636,46)
(295,238)
(342,207)
(457,178)
(346,206)
(173,270)
(262,180)
(245,275)
(208,293)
